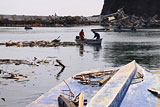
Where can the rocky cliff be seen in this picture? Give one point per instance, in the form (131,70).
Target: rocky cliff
(138,7)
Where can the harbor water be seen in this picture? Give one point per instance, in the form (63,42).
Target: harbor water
(117,49)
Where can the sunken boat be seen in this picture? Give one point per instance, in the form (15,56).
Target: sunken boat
(124,86)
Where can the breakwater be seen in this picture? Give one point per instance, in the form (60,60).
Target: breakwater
(46,21)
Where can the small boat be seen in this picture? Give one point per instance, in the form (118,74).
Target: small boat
(27,27)
(103,30)
(89,41)
(115,30)
(116,90)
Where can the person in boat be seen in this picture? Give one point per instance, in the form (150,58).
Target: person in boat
(96,35)
(81,35)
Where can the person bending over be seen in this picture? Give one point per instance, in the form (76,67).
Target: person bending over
(96,35)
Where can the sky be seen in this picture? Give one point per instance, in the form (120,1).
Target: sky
(50,7)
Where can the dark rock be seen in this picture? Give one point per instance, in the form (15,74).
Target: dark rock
(146,8)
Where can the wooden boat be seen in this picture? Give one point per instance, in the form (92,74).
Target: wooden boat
(114,30)
(103,30)
(118,91)
(89,41)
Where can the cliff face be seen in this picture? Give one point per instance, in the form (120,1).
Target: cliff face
(138,7)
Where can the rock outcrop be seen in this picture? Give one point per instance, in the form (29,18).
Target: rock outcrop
(147,8)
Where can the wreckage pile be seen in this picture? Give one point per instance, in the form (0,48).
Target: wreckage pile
(41,43)
(128,21)
(91,78)
(100,77)
(26,62)
(34,62)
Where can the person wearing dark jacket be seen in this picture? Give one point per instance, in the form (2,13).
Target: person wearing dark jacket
(96,35)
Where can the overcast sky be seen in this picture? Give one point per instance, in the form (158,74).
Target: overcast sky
(50,7)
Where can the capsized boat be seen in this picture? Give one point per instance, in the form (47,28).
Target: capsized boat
(121,89)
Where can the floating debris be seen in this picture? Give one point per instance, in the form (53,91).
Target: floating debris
(59,73)
(42,43)
(15,76)
(60,63)
(35,61)
(3,99)
(154,91)
(101,82)
(85,77)
(138,78)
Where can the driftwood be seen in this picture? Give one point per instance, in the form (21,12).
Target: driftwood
(16,76)
(70,91)
(3,99)
(101,82)
(13,61)
(81,100)
(34,62)
(59,73)
(139,75)
(85,77)
(86,82)
(42,43)
(60,63)
(154,91)
(138,78)
(95,74)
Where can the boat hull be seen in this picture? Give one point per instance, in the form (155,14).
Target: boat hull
(136,95)
(113,92)
(89,41)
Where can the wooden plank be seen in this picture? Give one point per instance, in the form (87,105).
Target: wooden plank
(102,82)
(60,63)
(81,100)
(154,91)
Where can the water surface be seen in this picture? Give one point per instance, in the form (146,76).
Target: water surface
(117,49)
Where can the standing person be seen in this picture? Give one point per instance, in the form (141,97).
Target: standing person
(81,34)
(96,35)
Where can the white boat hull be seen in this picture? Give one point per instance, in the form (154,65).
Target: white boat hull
(89,41)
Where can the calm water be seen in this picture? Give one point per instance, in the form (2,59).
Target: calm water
(117,49)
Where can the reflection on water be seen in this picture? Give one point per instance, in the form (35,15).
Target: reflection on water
(96,50)
(145,53)
(81,50)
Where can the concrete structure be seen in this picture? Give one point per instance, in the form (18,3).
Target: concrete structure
(26,17)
